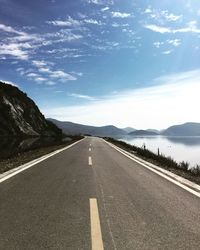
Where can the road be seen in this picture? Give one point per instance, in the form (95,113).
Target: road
(91,196)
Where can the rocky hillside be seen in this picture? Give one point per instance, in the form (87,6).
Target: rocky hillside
(19,115)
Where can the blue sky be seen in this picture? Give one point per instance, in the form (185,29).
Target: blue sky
(127,63)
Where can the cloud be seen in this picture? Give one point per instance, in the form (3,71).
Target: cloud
(95,1)
(18,51)
(162,15)
(39,63)
(173,99)
(62,75)
(93,21)
(190,27)
(158,44)
(148,10)
(100,2)
(105,9)
(174,42)
(120,14)
(68,22)
(32,75)
(167,52)
(18,44)
(86,97)
(40,79)
(9,29)
(171,17)
(157,28)
(50,74)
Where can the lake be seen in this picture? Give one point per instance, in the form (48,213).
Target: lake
(179,148)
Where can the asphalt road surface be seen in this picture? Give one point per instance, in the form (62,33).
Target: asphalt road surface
(91,196)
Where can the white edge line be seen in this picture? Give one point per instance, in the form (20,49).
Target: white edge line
(155,171)
(25,166)
(96,235)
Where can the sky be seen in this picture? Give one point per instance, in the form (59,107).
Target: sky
(99,62)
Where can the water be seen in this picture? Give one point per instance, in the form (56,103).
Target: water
(179,148)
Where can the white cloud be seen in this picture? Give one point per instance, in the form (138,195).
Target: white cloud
(62,75)
(171,17)
(157,28)
(100,2)
(32,75)
(158,44)
(105,9)
(162,15)
(167,52)
(93,21)
(68,22)
(120,14)
(190,27)
(174,42)
(95,1)
(16,50)
(175,100)
(148,10)
(18,44)
(40,79)
(46,68)
(86,97)
(9,29)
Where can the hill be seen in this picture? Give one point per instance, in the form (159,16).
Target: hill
(186,129)
(75,128)
(20,116)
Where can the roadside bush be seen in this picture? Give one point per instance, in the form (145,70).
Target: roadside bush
(184,165)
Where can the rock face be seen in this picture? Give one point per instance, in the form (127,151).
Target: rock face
(20,116)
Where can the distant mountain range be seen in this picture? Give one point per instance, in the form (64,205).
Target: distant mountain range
(74,128)
(186,129)
(129,129)
(19,115)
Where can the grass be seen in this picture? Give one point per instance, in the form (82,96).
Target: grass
(183,168)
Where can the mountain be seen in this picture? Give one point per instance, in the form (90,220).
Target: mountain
(19,115)
(153,130)
(74,128)
(129,129)
(186,129)
(142,132)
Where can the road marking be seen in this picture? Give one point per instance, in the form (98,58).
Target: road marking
(90,149)
(90,144)
(154,170)
(30,164)
(96,236)
(90,161)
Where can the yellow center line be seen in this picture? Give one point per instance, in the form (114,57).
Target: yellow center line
(96,236)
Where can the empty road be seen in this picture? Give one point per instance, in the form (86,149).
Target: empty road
(90,196)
